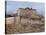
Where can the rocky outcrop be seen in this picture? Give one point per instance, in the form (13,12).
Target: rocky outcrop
(26,21)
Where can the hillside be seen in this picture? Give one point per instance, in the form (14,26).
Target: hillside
(26,21)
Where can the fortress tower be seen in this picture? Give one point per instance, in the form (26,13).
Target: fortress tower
(25,12)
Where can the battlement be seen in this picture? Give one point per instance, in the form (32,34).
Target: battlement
(26,11)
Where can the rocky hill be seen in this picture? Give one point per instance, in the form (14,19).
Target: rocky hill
(26,21)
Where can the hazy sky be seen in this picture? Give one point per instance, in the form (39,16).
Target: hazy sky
(13,5)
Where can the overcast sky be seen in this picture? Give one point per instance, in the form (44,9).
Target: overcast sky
(13,5)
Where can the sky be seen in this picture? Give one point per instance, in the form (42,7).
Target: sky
(11,6)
